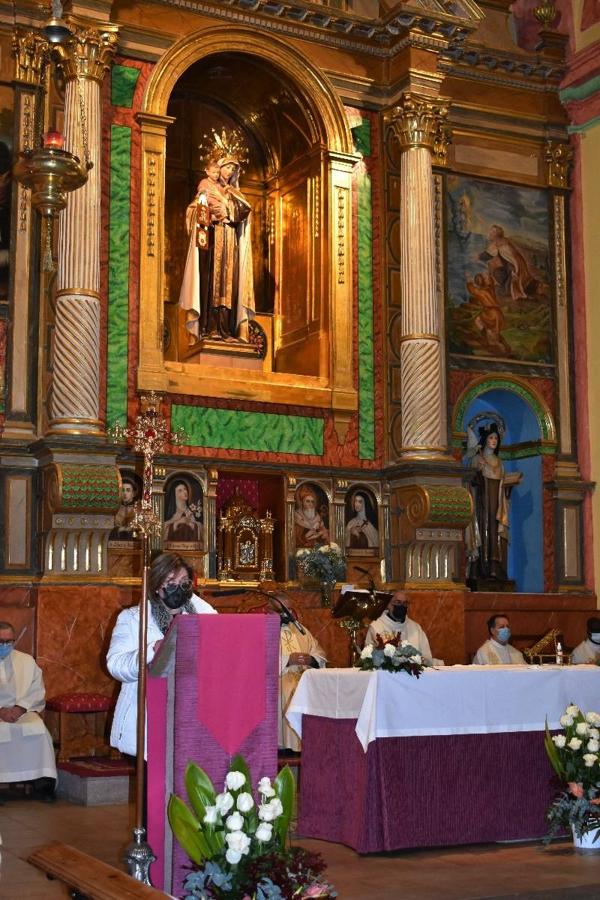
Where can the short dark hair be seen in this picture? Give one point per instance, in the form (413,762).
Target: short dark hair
(491,622)
(7,626)
(161,568)
(593,624)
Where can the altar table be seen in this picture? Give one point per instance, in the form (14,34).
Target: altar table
(454,757)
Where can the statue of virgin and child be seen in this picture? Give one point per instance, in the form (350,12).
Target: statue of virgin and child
(490,486)
(218,289)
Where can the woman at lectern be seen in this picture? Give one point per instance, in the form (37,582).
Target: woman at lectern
(170,593)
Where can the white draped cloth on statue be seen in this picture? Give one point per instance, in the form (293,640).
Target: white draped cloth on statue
(26,750)
(292,641)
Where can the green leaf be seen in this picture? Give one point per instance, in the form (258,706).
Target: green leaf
(239,764)
(187,830)
(200,789)
(553,754)
(285,789)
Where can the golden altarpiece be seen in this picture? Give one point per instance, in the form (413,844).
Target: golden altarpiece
(371,134)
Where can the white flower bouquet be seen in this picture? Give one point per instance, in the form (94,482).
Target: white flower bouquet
(237,839)
(391,654)
(575,757)
(325,563)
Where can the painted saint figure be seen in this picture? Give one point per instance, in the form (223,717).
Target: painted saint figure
(310,526)
(361,533)
(125,514)
(508,267)
(183,516)
(218,289)
(489,320)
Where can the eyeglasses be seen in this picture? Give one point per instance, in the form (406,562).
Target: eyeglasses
(6,643)
(186,585)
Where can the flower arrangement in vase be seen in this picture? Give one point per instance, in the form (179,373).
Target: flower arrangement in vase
(238,840)
(575,757)
(391,654)
(325,563)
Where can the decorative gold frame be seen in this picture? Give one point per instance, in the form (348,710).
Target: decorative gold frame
(331,133)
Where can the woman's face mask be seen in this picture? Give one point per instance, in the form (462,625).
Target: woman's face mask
(174,596)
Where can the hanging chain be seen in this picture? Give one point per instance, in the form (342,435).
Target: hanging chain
(40,101)
(82,115)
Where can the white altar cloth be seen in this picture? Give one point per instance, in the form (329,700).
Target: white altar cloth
(445,700)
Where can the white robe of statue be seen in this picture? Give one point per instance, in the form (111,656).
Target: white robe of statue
(291,641)
(26,750)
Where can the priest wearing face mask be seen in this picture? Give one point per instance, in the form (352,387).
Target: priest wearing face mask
(395,619)
(588,651)
(170,594)
(497,651)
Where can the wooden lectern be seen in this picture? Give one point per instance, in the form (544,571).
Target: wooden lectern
(212,692)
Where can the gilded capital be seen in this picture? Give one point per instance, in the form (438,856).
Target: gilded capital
(30,50)
(559,158)
(87,53)
(421,122)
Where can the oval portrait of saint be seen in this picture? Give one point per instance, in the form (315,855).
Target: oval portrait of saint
(311,516)
(183,511)
(362,535)
(131,493)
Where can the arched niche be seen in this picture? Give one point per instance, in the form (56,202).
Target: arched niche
(300,179)
(530,433)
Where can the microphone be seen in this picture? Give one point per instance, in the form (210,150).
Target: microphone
(368,574)
(232,592)
(286,611)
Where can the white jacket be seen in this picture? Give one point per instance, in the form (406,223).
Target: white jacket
(122,663)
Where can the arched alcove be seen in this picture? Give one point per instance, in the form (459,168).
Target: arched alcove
(529,428)
(299,178)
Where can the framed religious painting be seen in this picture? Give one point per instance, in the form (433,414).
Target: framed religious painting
(131,494)
(183,523)
(311,516)
(361,523)
(499,273)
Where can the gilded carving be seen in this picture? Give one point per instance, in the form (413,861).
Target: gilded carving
(30,51)
(341,236)
(421,122)
(559,251)
(76,488)
(87,53)
(437,505)
(559,158)
(151,195)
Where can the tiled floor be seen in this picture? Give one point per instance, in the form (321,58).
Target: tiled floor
(464,873)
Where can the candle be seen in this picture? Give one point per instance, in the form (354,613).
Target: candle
(53,140)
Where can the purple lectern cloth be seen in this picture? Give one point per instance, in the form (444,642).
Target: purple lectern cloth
(224,669)
(421,791)
(193,739)
(156,702)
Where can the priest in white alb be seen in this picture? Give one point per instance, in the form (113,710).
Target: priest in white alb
(497,651)
(298,652)
(393,620)
(26,751)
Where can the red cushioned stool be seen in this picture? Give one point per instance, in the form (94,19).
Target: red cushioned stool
(77,723)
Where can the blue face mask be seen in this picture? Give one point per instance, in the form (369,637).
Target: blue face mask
(504,633)
(5,650)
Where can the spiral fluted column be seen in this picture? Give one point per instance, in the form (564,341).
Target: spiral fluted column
(418,124)
(74,402)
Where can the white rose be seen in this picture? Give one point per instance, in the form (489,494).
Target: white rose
(304,552)
(565,721)
(417,658)
(224,802)
(232,856)
(264,787)
(264,832)
(334,546)
(271,810)
(237,840)
(367,652)
(235,780)
(323,549)
(594,734)
(389,650)
(593,718)
(593,746)
(560,740)
(210,815)
(589,759)
(572,710)
(582,728)
(234,822)
(245,802)
(574,743)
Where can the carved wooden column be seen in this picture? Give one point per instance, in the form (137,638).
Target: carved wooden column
(418,124)
(29,50)
(74,405)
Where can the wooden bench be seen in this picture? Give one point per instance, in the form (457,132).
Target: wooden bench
(89,877)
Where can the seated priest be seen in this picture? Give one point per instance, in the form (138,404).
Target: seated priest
(170,593)
(497,651)
(588,651)
(298,651)
(394,619)
(26,751)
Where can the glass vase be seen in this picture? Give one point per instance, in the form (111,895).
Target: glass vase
(327,593)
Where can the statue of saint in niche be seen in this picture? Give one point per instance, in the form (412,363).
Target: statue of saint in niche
(218,289)
(490,488)
(361,522)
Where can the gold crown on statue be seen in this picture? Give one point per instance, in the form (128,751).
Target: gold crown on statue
(224,147)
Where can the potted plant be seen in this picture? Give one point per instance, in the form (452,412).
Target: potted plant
(575,757)
(324,563)
(237,839)
(391,654)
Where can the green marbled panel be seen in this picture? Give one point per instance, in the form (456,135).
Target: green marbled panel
(122,85)
(118,275)
(366,374)
(231,429)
